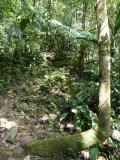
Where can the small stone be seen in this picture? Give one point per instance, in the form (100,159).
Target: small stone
(27,158)
(11,135)
(70,126)
(23,143)
(12,147)
(116,135)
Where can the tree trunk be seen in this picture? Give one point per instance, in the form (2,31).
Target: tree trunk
(119,73)
(48,36)
(56,148)
(34,3)
(82,48)
(104,68)
(84,14)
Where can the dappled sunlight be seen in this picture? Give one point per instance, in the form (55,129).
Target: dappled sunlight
(49,116)
(6,123)
(105,29)
(55,62)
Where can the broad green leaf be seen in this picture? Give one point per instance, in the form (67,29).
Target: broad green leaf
(82,122)
(19,33)
(37,24)
(81,93)
(33,16)
(88,70)
(84,35)
(63,116)
(80,100)
(78,35)
(93,153)
(10,33)
(80,143)
(117,23)
(23,24)
(74,110)
(87,116)
(1,87)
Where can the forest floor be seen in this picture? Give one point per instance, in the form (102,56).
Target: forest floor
(26,114)
(38,107)
(21,123)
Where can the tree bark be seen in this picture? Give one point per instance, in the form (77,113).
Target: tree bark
(82,48)
(104,68)
(84,14)
(56,148)
(34,3)
(119,73)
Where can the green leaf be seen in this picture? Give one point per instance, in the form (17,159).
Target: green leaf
(37,24)
(39,81)
(33,16)
(87,116)
(10,33)
(81,93)
(93,153)
(80,143)
(74,111)
(84,35)
(80,100)
(23,24)
(117,23)
(78,35)
(88,70)
(83,122)
(1,87)
(19,33)
(63,116)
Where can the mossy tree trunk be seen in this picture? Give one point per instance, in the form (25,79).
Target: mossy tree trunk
(60,146)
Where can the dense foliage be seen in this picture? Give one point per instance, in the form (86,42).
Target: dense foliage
(45,44)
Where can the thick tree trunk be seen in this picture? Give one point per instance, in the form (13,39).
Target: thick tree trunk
(56,148)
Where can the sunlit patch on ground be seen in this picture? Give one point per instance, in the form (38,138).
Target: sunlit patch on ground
(4,123)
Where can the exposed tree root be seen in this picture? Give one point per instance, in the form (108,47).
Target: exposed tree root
(57,148)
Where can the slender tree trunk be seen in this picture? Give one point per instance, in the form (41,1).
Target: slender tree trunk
(84,14)
(104,68)
(76,9)
(82,49)
(119,73)
(56,148)
(48,37)
(34,3)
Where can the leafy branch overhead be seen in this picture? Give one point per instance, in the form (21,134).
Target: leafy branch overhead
(84,35)
(117,23)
